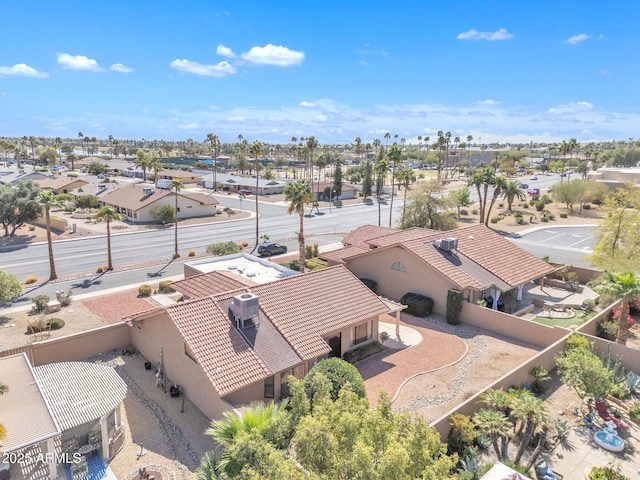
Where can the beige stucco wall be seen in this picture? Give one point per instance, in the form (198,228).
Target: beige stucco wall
(160,331)
(57,223)
(188,209)
(418,278)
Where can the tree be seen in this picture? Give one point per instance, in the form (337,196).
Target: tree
(142,161)
(482,180)
(512,190)
(108,214)
(498,185)
(617,240)
(406,175)
(569,193)
(48,200)
(176,186)
(10,288)
(337,179)
(19,205)
(256,151)
(460,198)
(583,371)
(163,214)
(154,163)
(623,286)
(88,201)
(427,208)
(495,424)
(214,151)
(531,411)
(297,194)
(395,159)
(339,373)
(312,144)
(380,170)
(367,179)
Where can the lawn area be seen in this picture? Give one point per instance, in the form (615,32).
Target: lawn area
(580,317)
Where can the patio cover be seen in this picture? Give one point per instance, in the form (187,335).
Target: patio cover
(23,409)
(80,392)
(501,472)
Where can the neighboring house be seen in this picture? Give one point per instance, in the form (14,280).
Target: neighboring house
(188,179)
(475,259)
(135,202)
(235,183)
(61,183)
(348,191)
(94,189)
(615,177)
(231,348)
(18,175)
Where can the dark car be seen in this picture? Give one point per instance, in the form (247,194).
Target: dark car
(267,249)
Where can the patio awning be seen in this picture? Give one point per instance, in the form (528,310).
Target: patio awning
(80,392)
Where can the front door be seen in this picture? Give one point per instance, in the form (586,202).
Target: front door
(336,345)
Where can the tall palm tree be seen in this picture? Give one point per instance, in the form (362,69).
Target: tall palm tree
(495,424)
(529,410)
(380,170)
(176,185)
(387,136)
(498,185)
(214,150)
(469,140)
(512,189)
(482,179)
(80,137)
(256,151)
(394,155)
(154,163)
(48,199)
(108,213)
(406,175)
(624,286)
(297,194)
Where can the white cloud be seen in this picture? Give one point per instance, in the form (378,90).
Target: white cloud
(320,118)
(576,39)
(574,107)
(221,69)
(488,101)
(118,67)
(472,34)
(189,126)
(306,104)
(235,118)
(225,51)
(78,62)
(213,107)
(22,70)
(273,55)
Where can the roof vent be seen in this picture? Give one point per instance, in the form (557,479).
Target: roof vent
(102,186)
(245,307)
(448,244)
(147,191)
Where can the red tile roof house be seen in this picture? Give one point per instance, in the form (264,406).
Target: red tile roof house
(474,259)
(233,347)
(135,202)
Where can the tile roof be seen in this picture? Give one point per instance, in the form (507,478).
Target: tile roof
(132,196)
(364,233)
(24,412)
(177,174)
(200,198)
(211,283)
(224,355)
(94,189)
(80,392)
(315,188)
(341,255)
(307,307)
(59,182)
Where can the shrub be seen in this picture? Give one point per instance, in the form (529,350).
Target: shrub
(101,268)
(43,326)
(576,340)
(364,351)
(165,287)
(610,472)
(607,330)
(144,290)
(56,323)
(464,212)
(544,219)
(293,265)
(316,250)
(40,302)
(384,336)
(454,306)
(500,205)
(30,279)
(546,199)
(494,219)
(192,253)
(245,244)
(65,298)
(372,284)
(614,316)
(634,306)
(339,373)
(223,248)
(540,205)
(474,212)
(417,305)
(32,228)
(586,206)
(312,265)
(634,410)
(564,215)
(462,434)
(308,251)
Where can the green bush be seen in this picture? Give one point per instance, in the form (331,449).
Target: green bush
(634,410)
(42,326)
(165,287)
(372,284)
(540,205)
(364,351)
(40,302)
(339,373)
(464,212)
(474,212)
(223,248)
(494,219)
(546,199)
(144,290)
(417,305)
(544,219)
(293,265)
(607,330)
(462,434)
(454,306)
(564,215)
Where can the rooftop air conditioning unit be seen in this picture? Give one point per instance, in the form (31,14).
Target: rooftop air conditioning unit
(245,306)
(102,186)
(448,244)
(147,191)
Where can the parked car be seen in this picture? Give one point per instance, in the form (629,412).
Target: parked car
(268,249)
(244,192)
(533,178)
(524,185)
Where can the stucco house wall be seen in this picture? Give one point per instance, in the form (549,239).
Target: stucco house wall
(188,209)
(417,277)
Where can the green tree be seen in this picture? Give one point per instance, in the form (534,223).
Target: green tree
(10,288)
(154,164)
(19,205)
(460,198)
(339,373)
(495,424)
(256,151)
(583,371)
(427,208)
(297,194)
(530,410)
(395,160)
(623,286)
(512,190)
(142,161)
(311,145)
(380,169)
(163,214)
(108,214)
(337,179)
(367,179)
(214,152)
(406,175)
(482,179)
(176,185)
(498,184)
(48,200)
(88,201)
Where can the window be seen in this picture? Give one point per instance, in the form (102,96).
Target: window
(361,333)
(399,267)
(268,387)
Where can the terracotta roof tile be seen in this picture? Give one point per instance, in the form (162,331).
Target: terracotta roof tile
(201,198)
(211,283)
(364,233)
(343,254)
(132,196)
(60,182)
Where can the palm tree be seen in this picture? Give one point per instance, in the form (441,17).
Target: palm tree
(482,179)
(312,144)
(394,155)
(387,136)
(108,213)
(142,161)
(406,175)
(256,151)
(154,163)
(469,140)
(495,424)
(48,199)
(380,170)
(529,410)
(176,185)
(297,194)
(624,286)
(214,150)
(80,137)
(512,190)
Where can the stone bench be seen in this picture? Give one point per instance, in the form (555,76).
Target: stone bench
(53,306)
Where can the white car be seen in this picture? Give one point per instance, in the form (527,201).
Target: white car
(533,178)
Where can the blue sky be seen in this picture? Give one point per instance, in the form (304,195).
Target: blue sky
(508,71)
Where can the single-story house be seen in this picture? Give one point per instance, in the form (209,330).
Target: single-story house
(61,183)
(135,202)
(188,179)
(231,348)
(475,259)
(18,175)
(348,191)
(94,189)
(235,183)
